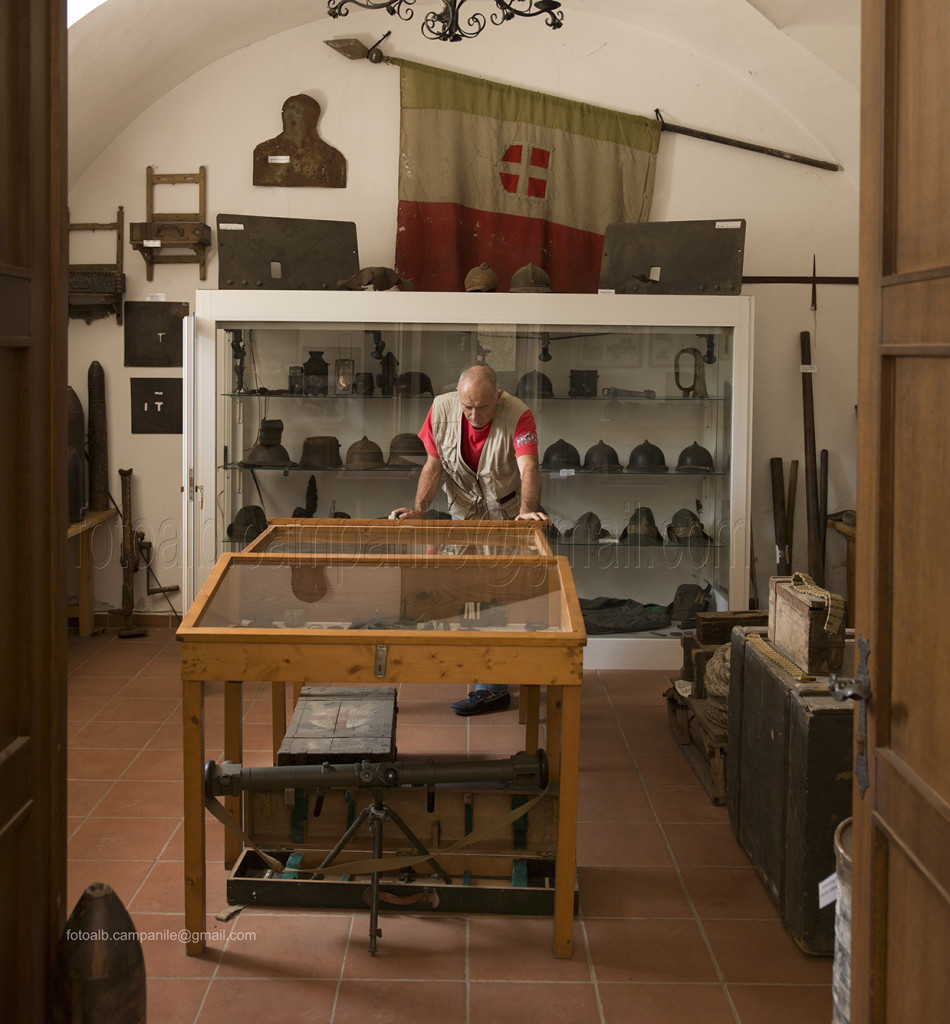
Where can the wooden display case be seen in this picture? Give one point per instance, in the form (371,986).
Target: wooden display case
(376,617)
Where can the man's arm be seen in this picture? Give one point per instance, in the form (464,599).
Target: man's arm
(530,488)
(429,480)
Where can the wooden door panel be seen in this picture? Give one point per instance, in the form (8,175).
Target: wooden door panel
(921,30)
(901,897)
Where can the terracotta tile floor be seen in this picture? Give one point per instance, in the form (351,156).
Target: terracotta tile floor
(674,925)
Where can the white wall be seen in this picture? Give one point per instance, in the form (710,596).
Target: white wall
(216,117)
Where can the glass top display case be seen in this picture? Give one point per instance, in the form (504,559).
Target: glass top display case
(306,405)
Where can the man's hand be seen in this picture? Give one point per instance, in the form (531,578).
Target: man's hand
(406,513)
(537,516)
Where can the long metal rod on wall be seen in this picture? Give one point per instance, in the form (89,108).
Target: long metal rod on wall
(724,140)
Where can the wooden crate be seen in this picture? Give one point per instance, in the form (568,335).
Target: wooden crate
(716,627)
(702,741)
(340,725)
(797,628)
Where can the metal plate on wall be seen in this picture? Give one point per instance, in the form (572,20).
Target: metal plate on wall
(153,332)
(687,257)
(284,252)
(156,405)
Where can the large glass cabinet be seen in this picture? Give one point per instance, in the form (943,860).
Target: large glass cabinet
(306,404)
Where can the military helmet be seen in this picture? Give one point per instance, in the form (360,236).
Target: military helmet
(686,528)
(320,453)
(694,459)
(586,529)
(407,450)
(647,458)
(534,385)
(481,279)
(529,279)
(602,458)
(561,455)
(268,451)
(413,383)
(641,528)
(364,454)
(249,522)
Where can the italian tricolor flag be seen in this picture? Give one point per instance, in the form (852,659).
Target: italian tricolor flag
(492,173)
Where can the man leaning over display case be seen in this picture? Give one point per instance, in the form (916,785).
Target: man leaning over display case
(482,446)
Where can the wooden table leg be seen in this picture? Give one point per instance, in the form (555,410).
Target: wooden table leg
(84,584)
(233,751)
(278,704)
(567,703)
(193,748)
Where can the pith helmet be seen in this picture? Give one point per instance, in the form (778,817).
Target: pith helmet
(481,279)
(530,279)
(320,453)
(561,455)
(364,454)
(647,458)
(413,383)
(407,450)
(602,458)
(534,385)
(641,529)
(694,459)
(687,529)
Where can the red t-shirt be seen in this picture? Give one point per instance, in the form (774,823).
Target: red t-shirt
(525,440)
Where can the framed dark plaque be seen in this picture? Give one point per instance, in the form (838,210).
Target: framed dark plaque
(153,333)
(156,405)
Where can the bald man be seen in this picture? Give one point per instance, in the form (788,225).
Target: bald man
(482,446)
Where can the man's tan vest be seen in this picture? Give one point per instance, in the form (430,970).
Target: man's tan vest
(494,492)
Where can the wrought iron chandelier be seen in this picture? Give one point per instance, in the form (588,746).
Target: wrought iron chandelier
(447,24)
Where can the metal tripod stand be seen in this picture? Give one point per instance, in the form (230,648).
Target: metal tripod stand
(378,813)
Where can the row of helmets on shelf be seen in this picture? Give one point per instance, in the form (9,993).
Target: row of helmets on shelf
(685,528)
(323,452)
(645,458)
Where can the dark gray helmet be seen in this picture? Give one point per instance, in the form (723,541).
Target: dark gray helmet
(268,451)
(641,529)
(481,279)
(364,454)
(602,458)
(407,450)
(320,453)
(250,522)
(530,279)
(586,529)
(534,385)
(647,458)
(413,383)
(686,528)
(694,459)
(561,455)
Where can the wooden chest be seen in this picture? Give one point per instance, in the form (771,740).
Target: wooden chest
(788,784)
(340,725)
(800,626)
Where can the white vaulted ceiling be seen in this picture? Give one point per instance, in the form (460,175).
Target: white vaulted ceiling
(126,54)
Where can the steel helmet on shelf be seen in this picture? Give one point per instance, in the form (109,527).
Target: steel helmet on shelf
(249,522)
(364,454)
(530,279)
(481,279)
(601,458)
(686,528)
(647,458)
(534,385)
(413,383)
(561,455)
(268,451)
(641,528)
(320,453)
(694,459)
(407,450)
